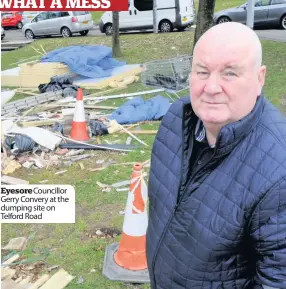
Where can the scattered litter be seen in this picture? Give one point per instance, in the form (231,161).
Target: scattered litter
(62,152)
(81,166)
(10,166)
(74,152)
(101,185)
(92,270)
(107,190)
(80,280)
(98,127)
(99,233)
(53,268)
(12,181)
(43,181)
(28,164)
(122,213)
(120,184)
(122,190)
(60,172)
(100,161)
(16,244)
(128,141)
(138,109)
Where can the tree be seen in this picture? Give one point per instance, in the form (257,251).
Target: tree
(204,18)
(116,51)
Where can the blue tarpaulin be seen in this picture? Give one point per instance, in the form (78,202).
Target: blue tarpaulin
(92,61)
(138,109)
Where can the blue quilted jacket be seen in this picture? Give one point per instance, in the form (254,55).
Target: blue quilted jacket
(228,230)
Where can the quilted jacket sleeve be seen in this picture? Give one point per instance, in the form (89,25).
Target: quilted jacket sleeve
(268,231)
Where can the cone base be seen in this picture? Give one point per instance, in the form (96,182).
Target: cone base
(131,261)
(79,131)
(131,253)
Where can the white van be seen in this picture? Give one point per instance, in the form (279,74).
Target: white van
(171,14)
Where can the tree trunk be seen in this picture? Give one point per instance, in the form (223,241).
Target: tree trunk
(204,18)
(116,51)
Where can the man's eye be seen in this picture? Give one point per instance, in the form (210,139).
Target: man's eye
(202,73)
(230,73)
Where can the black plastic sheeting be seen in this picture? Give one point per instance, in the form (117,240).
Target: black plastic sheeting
(19,143)
(98,127)
(60,82)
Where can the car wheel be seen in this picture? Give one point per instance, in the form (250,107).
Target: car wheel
(20,25)
(29,34)
(108,29)
(83,33)
(66,32)
(283,22)
(223,19)
(165,26)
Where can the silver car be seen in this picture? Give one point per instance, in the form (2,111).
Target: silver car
(266,12)
(58,23)
(28,16)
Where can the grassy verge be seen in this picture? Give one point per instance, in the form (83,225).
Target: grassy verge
(68,244)
(96,16)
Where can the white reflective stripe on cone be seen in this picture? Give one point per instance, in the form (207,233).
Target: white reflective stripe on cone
(135,224)
(79,115)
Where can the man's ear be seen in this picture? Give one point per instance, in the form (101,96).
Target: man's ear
(261,78)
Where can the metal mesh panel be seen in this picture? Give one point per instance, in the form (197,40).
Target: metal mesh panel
(172,74)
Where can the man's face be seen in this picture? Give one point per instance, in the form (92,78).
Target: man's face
(224,83)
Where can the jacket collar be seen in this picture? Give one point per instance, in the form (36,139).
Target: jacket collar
(231,134)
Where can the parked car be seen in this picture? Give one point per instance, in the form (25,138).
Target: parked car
(11,19)
(170,15)
(2,33)
(28,16)
(58,23)
(266,12)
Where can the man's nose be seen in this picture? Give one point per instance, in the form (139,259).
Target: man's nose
(212,85)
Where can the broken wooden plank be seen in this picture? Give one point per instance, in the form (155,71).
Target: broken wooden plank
(39,122)
(58,281)
(13,181)
(6,272)
(16,244)
(11,260)
(10,284)
(43,279)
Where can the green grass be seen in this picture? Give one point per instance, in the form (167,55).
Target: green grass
(96,16)
(68,244)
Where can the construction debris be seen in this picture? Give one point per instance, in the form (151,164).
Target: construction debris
(16,244)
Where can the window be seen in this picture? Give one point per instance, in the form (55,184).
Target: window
(262,3)
(275,2)
(64,14)
(55,14)
(42,16)
(7,15)
(143,5)
(80,13)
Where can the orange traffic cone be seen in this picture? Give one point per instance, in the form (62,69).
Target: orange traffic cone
(131,253)
(79,126)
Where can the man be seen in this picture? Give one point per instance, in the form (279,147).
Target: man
(217,186)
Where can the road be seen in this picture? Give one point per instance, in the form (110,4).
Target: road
(269,34)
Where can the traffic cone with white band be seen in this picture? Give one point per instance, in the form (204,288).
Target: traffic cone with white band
(131,253)
(79,126)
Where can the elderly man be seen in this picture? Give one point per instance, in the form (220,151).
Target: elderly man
(217,186)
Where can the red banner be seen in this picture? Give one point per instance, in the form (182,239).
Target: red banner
(63,5)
